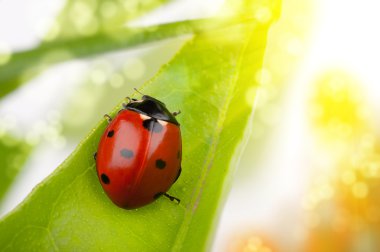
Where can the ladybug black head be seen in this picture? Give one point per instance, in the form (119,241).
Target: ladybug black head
(150,98)
(152,107)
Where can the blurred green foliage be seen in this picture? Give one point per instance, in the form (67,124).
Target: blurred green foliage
(25,65)
(14,153)
(88,17)
(79,29)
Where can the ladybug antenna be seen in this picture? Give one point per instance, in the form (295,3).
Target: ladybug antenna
(138,91)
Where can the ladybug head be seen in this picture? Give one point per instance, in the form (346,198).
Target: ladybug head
(150,98)
(152,107)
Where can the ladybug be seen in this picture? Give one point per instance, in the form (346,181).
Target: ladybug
(139,155)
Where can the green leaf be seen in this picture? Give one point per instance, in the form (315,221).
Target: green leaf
(212,81)
(13,153)
(24,65)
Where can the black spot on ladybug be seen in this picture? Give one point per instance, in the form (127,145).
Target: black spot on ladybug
(160,164)
(148,124)
(126,153)
(105,179)
(110,133)
(152,125)
(157,195)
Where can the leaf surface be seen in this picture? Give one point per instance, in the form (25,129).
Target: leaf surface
(212,81)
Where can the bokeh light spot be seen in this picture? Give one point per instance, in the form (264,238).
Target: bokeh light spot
(59,142)
(348,177)
(100,73)
(263,14)
(336,109)
(82,16)
(130,6)
(373,169)
(134,69)
(360,190)
(98,76)
(32,138)
(108,9)
(250,243)
(326,191)
(295,47)
(116,80)
(263,76)
(85,100)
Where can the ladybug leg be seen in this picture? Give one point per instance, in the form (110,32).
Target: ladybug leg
(130,99)
(172,198)
(95,154)
(109,119)
(177,113)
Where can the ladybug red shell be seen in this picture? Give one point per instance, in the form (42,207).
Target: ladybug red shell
(139,155)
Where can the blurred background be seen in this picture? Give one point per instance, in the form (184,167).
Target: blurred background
(310,175)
